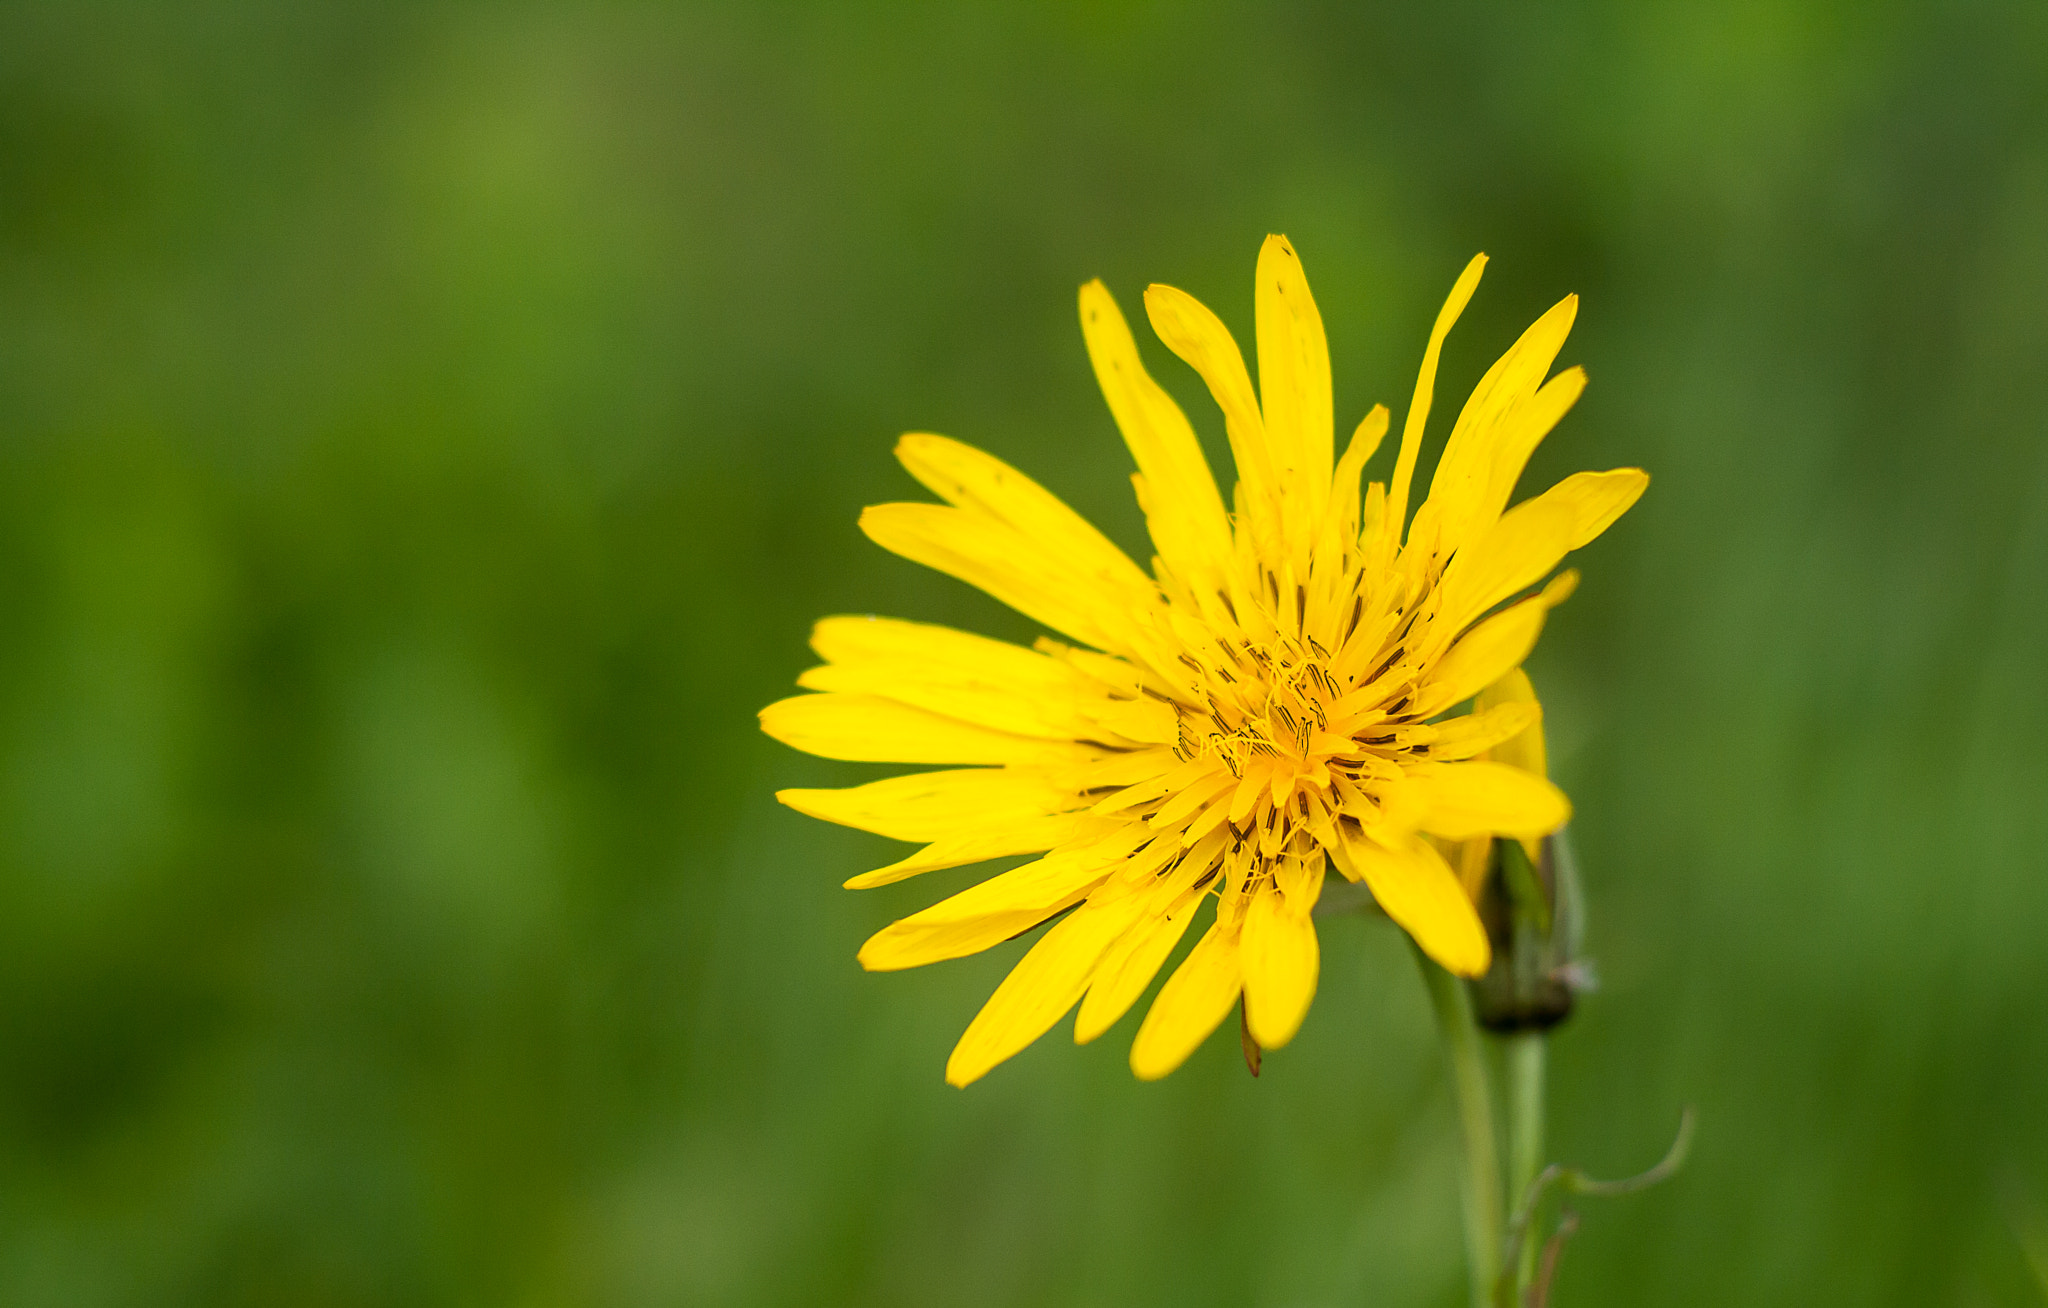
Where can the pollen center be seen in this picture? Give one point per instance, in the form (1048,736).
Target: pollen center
(1265,703)
(1267,744)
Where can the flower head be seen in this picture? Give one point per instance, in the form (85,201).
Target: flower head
(1279,694)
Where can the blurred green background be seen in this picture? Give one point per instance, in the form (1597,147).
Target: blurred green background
(427,433)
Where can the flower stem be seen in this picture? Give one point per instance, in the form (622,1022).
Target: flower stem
(1523,1055)
(1481,1181)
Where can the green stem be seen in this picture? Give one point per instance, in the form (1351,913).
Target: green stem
(1481,1181)
(1524,1057)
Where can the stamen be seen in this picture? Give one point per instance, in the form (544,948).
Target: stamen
(1286,720)
(1383,668)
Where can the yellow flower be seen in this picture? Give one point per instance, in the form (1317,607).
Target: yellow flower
(1277,692)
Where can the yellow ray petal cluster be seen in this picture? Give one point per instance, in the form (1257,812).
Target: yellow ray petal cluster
(1291,686)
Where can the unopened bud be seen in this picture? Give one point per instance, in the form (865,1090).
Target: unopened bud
(1533,914)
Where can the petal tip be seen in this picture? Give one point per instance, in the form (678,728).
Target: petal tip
(1473,966)
(772,720)
(873,954)
(1271,1032)
(1460,953)
(1149,1065)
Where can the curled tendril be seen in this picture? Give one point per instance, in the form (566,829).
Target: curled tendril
(1570,1180)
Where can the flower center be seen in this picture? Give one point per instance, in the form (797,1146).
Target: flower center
(1265,702)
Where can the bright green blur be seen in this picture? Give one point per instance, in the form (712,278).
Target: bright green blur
(427,433)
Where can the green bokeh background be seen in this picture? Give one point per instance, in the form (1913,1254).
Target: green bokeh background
(427,432)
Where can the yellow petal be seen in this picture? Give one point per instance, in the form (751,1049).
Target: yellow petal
(986,697)
(1523,749)
(866,639)
(1365,442)
(1300,879)
(1333,606)
(1107,772)
(1490,650)
(1530,539)
(1119,676)
(1257,777)
(1485,730)
(1201,339)
(1471,857)
(1425,389)
(977,481)
(1008,565)
(1489,432)
(1294,384)
(869,729)
(1482,798)
(1185,513)
(1129,965)
(936,805)
(1416,888)
(1039,990)
(1206,823)
(1192,1003)
(1140,721)
(1521,431)
(908,943)
(1597,499)
(998,908)
(1032,835)
(1280,960)
(1191,798)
